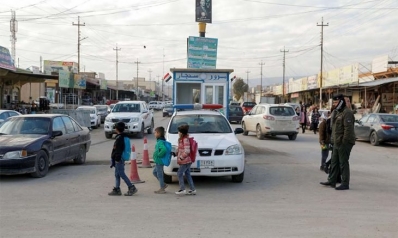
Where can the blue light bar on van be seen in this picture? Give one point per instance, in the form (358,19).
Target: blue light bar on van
(198,106)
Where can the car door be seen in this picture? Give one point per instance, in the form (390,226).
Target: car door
(145,114)
(60,145)
(359,127)
(369,125)
(258,117)
(73,137)
(249,119)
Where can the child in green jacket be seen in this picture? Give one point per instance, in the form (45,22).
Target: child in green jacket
(158,154)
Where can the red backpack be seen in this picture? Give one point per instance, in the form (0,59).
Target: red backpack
(193,148)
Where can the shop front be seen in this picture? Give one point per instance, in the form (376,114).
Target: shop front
(205,86)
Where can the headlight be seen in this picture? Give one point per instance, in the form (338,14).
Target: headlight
(15,154)
(134,119)
(233,150)
(108,119)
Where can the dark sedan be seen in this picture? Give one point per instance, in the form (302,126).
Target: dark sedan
(235,114)
(377,127)
(33,143)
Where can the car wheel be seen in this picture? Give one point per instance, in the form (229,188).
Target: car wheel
(150,130)
(259,134)
(41,165)
(292,137)
(245,132)
(164,115)
(81,157)
(374,139)
(108,135)
(238,178)
(141,133)
(167,178)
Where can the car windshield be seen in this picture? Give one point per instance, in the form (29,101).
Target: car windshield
(282,111)
(235,110)
(102,108)
(389,118)
(126,107)
(25,125)
(200,124)
(92,111)
(249,104)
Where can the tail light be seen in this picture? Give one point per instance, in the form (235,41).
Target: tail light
(270,118)
(296,118)
(386,127)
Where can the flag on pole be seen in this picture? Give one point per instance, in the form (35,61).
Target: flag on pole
(167,77)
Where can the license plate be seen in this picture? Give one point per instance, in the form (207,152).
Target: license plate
(206,163)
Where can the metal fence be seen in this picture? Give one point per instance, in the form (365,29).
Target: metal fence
(81,116)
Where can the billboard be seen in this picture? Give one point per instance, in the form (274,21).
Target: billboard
(5,59)
(79,81)
(312,82)
(65,79)
(56,66)
(103,84)
(380,64)
(203,11)
(331,78)
(202,52)
(349,74)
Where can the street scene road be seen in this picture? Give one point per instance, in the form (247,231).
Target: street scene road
(279,197)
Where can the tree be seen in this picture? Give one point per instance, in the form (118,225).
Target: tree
(239,88)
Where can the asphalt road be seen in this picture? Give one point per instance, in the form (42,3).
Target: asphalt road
(279,197)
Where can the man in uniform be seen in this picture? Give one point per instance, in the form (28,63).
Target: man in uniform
(343,140)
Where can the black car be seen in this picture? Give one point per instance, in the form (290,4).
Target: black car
(33,143)
(235,114)
(377,127)
(168,110)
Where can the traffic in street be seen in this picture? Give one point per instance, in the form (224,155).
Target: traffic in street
(281,186)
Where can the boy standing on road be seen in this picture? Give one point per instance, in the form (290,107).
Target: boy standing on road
(118,163)
(158,154)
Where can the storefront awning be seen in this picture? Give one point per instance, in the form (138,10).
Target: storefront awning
(378,82)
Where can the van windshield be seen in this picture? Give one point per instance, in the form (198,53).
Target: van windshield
(282,111)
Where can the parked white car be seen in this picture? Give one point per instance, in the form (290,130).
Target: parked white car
(271,119)
(4,114)
(156,105)
(136,116)
(219,151)
(95,118)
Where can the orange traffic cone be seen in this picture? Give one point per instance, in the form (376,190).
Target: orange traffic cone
(145,156)
(134,177)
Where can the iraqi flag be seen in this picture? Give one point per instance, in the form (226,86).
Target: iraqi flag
(167,77)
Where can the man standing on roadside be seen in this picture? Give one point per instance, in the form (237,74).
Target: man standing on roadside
(343,140)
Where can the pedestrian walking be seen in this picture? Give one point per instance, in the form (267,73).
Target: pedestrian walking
(303,118)
(158,154)
(184,160)
(118,163)
(343,140)
(315,119)
(324,140)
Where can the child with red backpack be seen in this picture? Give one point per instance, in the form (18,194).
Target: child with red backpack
(185,162)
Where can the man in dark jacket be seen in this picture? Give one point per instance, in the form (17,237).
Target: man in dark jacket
(343,140)
(118,163)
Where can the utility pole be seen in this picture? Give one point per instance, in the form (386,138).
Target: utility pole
(261,90)
(13,29)
(150,72)
(78,41)
(247,82)
(321,79)
(163,76)
(284,64)
(117,71)
(158,85)
(137,62)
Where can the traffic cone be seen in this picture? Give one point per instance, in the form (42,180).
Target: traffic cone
(134,177)
(145,156)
